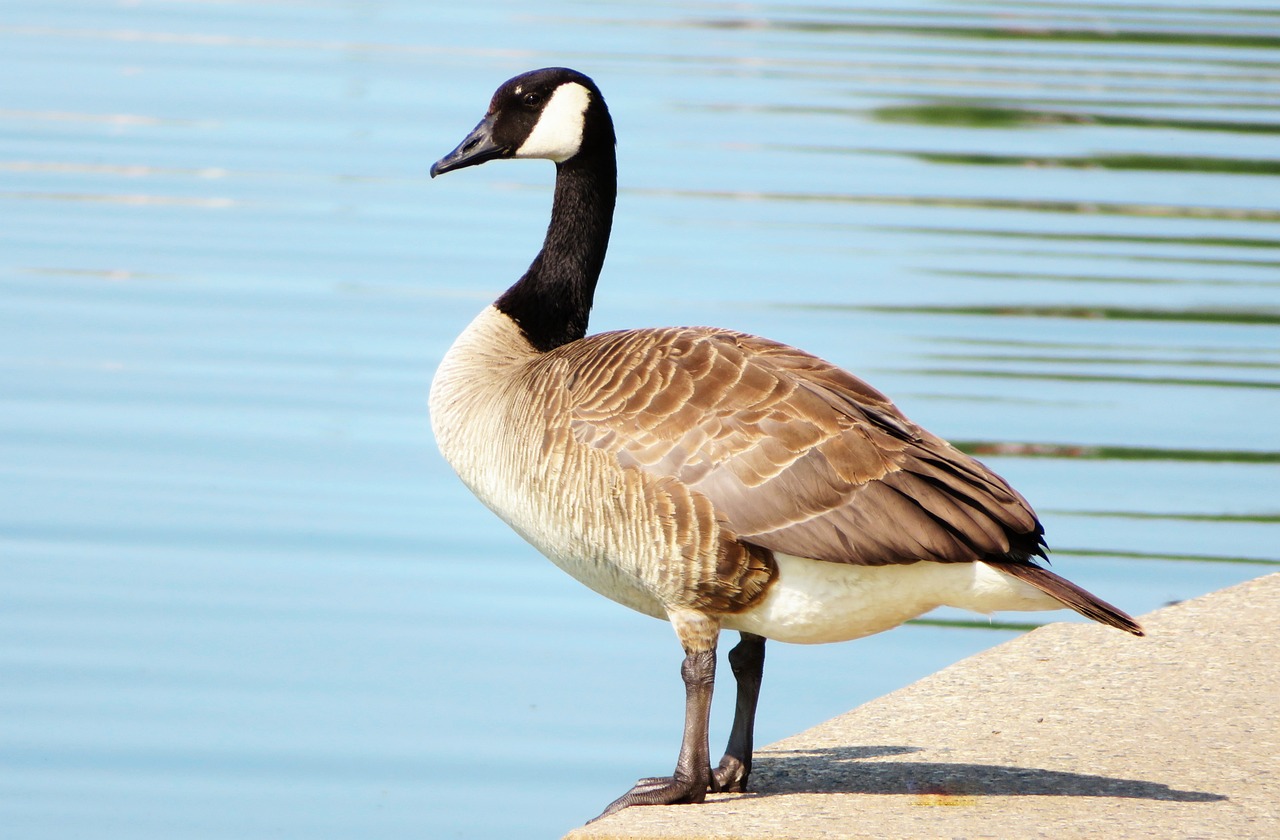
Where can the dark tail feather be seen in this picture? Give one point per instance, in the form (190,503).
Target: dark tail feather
(1071,595)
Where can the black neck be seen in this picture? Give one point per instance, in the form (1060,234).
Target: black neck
(552,301)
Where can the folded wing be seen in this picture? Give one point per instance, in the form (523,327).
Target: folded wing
(796,454)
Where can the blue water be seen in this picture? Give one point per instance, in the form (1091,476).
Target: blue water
(240,593)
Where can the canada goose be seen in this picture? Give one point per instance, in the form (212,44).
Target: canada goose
(707,477)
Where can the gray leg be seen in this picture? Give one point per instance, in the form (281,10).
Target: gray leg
(692,777)
(747,661)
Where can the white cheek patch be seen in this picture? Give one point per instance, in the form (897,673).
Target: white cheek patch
(558,133)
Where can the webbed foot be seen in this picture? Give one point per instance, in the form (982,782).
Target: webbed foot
(730,776)
(661,790)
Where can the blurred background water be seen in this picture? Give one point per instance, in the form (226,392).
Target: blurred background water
(240,593)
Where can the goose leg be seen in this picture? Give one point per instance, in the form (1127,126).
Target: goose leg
(692,776)
(747,661)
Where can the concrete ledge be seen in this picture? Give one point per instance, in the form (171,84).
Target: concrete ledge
(1071,730)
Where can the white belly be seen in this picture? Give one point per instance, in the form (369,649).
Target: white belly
(814,601)
(486,425)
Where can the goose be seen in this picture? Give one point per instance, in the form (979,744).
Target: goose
(711,478)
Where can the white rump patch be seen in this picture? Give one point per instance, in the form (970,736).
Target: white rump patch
(558,133)
(813,601)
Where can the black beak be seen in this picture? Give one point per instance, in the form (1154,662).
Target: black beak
(478,147)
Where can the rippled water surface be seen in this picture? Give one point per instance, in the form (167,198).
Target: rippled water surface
(240,593)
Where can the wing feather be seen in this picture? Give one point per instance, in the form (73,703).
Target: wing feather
(795,454)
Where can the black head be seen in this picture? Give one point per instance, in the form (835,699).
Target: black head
(554,113)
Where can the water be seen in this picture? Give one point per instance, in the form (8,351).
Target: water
(242,595)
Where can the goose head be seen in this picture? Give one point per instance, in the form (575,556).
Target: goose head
(554,113)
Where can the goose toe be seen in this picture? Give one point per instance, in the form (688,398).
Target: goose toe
(662,790)
(730,776)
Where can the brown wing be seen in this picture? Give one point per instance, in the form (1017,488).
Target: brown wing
(796,454)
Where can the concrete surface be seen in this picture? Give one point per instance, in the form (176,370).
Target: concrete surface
(1069,731)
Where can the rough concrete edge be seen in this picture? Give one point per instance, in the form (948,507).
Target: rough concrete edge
(1012,647)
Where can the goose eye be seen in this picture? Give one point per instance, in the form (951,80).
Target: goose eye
(532,99)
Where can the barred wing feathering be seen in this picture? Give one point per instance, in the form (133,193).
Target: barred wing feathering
(797,455)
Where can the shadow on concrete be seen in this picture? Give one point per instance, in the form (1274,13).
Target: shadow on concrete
(845,770)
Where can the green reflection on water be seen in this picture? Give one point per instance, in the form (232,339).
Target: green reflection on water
(1178,381)
(1048,277)
(1157,163)
(1096,208)
(1229,364)
(1040,345)
(1236,518)
(1123,313)
(1033,29)
(966,115)
(1122,453)
(1137,239)
(1180,558)
(1046,253)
